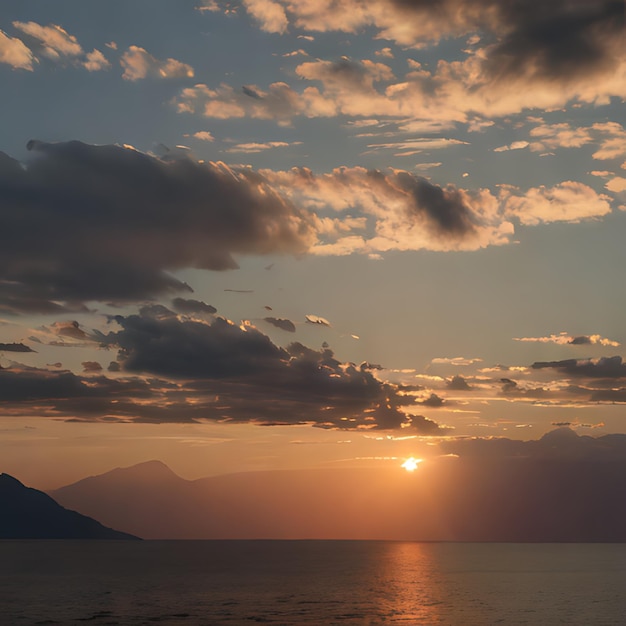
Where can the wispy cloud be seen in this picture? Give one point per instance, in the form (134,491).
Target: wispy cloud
(566,339)
(251,148)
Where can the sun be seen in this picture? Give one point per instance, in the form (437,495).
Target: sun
(411,464)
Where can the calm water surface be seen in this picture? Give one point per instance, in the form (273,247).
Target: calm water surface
(310,582)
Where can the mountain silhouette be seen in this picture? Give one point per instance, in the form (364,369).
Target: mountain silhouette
(511,498)
(30,514)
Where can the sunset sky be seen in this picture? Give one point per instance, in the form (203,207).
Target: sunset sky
(271,234)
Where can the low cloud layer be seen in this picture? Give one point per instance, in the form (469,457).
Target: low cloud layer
(174,369)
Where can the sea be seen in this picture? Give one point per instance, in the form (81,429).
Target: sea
(310,582)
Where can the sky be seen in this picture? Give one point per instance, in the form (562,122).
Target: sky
(285,234)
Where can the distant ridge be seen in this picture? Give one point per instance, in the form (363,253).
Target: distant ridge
(27,513)
(529,492)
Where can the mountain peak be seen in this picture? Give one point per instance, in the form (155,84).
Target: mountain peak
(148,469)
(563,433)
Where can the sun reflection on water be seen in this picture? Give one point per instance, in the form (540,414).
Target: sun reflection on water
(412,589)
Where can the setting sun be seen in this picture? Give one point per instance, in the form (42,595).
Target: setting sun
(411,464)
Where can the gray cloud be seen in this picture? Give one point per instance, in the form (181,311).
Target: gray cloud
(15,347)
(91,366)
(433,401)
(457,383)
(446,209)
(237,373)
(83,222)
(183,305)
(283,324)
(556,41)
(604,367)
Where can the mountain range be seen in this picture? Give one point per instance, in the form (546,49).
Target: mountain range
(31,514)
(577,492)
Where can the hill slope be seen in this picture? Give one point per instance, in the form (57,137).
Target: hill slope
(30,514)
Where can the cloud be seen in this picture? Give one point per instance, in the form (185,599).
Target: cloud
(183,305)
(458,383)
(566,339)
(384,52)
(83,222)
(516,145)
(139,64)
(172,369)
(112,221)
(283,324)
(613,144)
(457,360)
(405,212)
(91,366)
(316,319)
(433,401)
(535,56)
(15,53)
(56,44)
(604,367)
(15,347)
(95,61)
(568,201)
(295,53)
(203,135)
(553,136)
(251,148)
(616,184)
(270,15)
(411,147)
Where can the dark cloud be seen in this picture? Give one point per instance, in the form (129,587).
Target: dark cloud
(365,365)
(27,385)
(15,347)
(69,329)
(605,367)
(559,40)
(283,324)
(183,305)
(457,383)
(83,222)
(251,92)
(433,401)
(163,345)
(91,366)
(617,396)
(445,209)
(581,340)
(556,41)
(237,373)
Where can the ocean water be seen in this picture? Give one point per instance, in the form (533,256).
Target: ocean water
(310,582)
